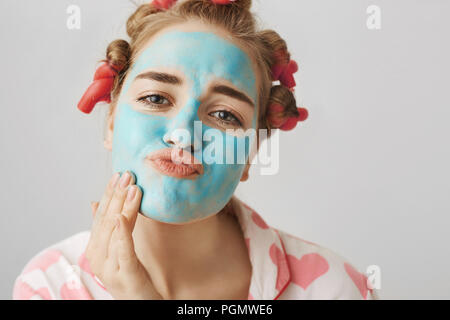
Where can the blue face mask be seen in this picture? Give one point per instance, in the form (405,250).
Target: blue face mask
(201,57)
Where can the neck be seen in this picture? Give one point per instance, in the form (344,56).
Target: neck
(177,257)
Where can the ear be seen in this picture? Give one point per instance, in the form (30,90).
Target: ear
(109,133)
(245,173)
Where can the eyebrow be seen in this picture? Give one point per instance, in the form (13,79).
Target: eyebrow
(161,77)
(228,91)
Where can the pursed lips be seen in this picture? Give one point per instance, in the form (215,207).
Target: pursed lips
(175,162)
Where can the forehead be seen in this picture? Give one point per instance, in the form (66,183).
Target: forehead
(201,56)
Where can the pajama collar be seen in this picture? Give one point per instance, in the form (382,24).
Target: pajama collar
(270,270)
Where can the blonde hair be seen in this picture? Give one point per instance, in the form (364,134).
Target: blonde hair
(266,47)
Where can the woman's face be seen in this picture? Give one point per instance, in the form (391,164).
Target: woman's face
(189,88)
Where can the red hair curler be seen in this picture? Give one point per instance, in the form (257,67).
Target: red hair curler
(285,73)
(222,1)
(276,119)
(100,88)
(291,122)
(163,4)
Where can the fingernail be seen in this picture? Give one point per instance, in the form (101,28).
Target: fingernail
(131,193)
(114,179)
(125,180)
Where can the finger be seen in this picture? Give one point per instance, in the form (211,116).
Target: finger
(114,209)
(100,252)
(116,204)
(94,207)
(113,243)
(120,194)
(126,256)
(120,231)
(130,212)
(104,201)
(132,204)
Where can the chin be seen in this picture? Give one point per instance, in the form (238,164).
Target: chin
(179,210)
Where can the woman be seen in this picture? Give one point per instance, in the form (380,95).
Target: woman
(192,71)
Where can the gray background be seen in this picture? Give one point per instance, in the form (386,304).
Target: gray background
(366,176)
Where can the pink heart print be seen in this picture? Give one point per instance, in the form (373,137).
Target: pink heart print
(307,269)
(43,261)
(259,221)
(359,279)
(304,271)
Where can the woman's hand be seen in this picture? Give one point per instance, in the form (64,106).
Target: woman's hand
(110,250)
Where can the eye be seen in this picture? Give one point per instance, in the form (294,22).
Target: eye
(226,117)
(154,100)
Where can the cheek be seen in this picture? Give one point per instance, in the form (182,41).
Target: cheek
(216,188)
(234,154)
(134,132)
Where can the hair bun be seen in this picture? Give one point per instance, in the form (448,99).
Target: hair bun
(282,111)
(118,53)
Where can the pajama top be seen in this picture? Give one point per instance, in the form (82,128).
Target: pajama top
(284,267)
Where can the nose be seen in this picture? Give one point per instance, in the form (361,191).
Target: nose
(179,144)
(184,130)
